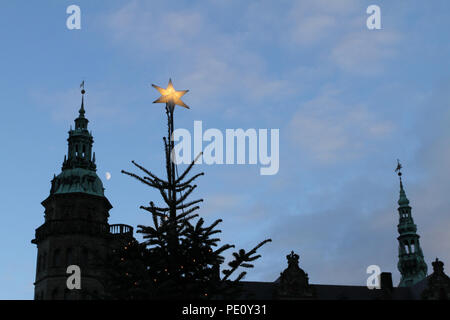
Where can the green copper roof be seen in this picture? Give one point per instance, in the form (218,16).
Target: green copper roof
(77,180)
(403,200)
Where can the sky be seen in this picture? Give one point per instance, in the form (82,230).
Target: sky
(348,102)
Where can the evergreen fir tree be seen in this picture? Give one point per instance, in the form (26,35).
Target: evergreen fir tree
(126,275)
(180,257)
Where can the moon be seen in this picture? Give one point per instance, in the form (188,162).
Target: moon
(108,176)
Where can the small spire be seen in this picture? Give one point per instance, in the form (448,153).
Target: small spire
(82,111)
(403,200)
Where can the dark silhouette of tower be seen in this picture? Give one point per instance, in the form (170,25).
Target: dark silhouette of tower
(76,229)
(411,263)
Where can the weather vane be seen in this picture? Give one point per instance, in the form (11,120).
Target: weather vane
(82,87)
(399,168)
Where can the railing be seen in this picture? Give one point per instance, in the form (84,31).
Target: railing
(121,229)
(64,227)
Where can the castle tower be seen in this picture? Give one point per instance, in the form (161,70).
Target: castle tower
(76,229)
(411,263)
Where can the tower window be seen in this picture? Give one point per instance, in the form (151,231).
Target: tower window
(44,261)
(55,294)
(69,256)
(409,248)
(85,256)
(39,261)
(66,294)
(57,258)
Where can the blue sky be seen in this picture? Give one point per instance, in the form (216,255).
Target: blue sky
(348,103)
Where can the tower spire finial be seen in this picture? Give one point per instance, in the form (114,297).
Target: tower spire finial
(403,199)
(82,111)
(399,173)
(399,168)
(80,142)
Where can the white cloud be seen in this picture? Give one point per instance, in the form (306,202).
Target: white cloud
(328,130)
(139,24)
(313,29)
(215,63)
(221,203)
(318,22)
(339,29)
(364,52)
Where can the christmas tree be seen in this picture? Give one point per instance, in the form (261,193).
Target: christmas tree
(180,256)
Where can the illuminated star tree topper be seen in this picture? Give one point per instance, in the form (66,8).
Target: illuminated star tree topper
(170,96)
